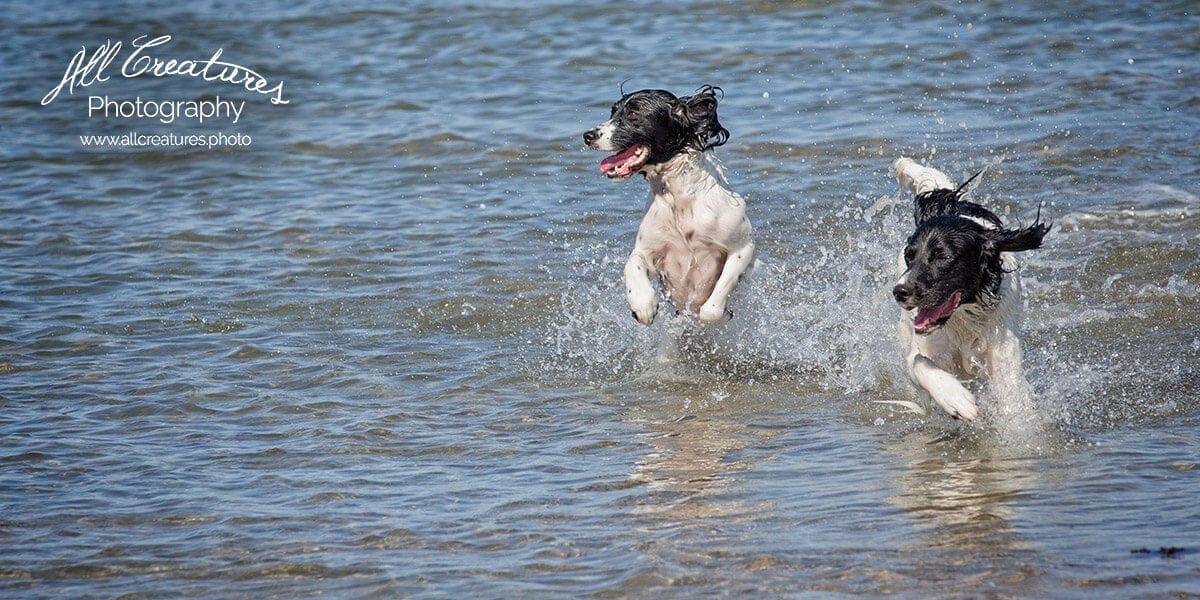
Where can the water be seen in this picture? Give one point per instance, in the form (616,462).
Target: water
(383,350)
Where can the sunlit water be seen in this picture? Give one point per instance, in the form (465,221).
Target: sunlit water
(384,350)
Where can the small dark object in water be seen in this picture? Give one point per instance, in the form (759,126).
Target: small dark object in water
(1165,551)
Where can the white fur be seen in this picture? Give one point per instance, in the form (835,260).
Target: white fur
(920,179)
(693,218)
(604,142)
(977,343)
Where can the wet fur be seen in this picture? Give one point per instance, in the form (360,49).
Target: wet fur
(695,237)
(959,247)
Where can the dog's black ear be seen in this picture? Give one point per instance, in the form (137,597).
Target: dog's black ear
(703,104)
(1018,240)
(699,111)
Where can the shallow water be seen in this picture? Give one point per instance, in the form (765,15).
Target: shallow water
(383,350)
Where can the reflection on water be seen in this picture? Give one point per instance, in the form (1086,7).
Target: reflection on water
(961,489)
(384,351)
(692,470)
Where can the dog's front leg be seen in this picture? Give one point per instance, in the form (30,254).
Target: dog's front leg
(643,300)
(736,265)
(944,388)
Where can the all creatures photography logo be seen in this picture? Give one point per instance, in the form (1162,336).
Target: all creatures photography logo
(87,69)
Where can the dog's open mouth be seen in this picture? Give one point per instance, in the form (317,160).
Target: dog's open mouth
(626,162)
(930,319)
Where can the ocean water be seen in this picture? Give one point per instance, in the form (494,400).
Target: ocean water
(378,346)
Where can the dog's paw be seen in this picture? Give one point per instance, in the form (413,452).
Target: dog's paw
(714,314)
(645,314)
(959,403)
(643,302)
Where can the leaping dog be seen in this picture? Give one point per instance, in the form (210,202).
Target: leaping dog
(695,237)
(958,290)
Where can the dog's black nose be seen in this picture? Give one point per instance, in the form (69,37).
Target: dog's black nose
(591,136)
(902,293)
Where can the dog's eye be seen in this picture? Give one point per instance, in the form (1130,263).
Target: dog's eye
(909,254)
(631,115)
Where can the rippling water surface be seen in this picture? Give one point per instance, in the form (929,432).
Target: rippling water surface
(383,350)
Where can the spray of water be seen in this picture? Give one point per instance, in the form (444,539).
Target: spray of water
(827,319)
(1107,310)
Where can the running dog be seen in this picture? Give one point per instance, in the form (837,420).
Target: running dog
(695,237)
(958,290)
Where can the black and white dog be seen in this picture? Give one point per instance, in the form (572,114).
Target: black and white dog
(695,237)
(961,299)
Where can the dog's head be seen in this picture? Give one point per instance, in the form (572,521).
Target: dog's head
(953,258)
(649,127)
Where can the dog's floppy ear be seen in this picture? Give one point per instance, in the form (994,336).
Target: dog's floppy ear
(1018,240)
(699,112)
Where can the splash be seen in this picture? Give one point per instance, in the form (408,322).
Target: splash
(817,315)
(824,316)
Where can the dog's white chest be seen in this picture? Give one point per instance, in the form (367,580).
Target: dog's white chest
(686,219)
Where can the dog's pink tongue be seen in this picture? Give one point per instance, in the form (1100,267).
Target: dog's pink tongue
(928,317)
(616,164)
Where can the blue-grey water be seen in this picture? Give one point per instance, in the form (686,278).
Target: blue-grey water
(383,350)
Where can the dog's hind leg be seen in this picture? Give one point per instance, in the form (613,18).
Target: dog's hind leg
(1006,376)
(1006,372)
(920,179)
